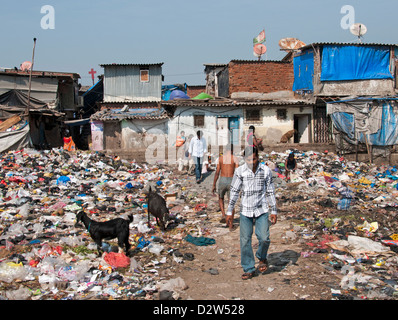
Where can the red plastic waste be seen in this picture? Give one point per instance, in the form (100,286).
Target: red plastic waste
(117,260)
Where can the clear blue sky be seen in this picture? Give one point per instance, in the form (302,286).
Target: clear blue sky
(184,34)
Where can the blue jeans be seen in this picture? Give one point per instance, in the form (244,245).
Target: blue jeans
(198,166)
(261,224)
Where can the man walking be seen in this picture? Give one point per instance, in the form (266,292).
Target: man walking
(258,203)
(225,170)
(197,148)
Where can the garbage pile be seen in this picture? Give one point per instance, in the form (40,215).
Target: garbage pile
(44,255)
(344,211)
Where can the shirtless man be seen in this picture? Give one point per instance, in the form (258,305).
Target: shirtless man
(226,167)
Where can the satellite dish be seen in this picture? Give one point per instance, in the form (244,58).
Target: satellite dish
(259,49)
(26,65)
(358,29)
(290,44)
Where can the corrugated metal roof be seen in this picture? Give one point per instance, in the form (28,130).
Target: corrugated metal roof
(129,102)
(234,103)
(257,61)
(130,114)
(345,44)
(38,73)
(215,64)
(131,64)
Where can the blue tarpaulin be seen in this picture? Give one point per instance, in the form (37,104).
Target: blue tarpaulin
(355,63)
(178,94)
(344,122)
(168,89)
(303,71)
(388,133)
(378,126)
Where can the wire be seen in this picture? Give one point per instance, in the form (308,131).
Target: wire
(182,74)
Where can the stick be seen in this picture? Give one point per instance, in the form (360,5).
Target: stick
(30,76)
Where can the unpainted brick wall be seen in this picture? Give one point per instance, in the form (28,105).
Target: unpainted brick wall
(260,77)
(193,91)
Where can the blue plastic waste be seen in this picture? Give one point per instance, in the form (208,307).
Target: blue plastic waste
(63,180)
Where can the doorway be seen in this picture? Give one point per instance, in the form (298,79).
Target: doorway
(302,125)
(233,126)
(227,130)
(222,131)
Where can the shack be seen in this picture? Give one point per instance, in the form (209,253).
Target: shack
(365,125)
(28,122)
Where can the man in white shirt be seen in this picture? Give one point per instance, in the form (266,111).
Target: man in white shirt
(197,148)
(254,179)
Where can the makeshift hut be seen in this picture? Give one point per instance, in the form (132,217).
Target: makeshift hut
(368,124)
(27,122)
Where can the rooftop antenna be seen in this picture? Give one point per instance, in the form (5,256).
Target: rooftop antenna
(258,47)
(359,30)
(258,50)
(290,44)
(25,66)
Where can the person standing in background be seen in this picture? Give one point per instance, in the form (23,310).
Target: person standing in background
(197,149)
(227,163)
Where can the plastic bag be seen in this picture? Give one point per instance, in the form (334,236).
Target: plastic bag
(10,271)
(155,248)
(117,260)
(24,210)
(22,293)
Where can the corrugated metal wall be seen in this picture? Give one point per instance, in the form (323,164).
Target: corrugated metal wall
(122,83)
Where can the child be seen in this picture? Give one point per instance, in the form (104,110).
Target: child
(69,144)
(253,141)
(290,165)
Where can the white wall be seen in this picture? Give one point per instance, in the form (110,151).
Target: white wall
(183,120)
(270,129)
(141,133)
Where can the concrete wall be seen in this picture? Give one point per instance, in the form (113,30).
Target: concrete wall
(142,133)
(270,129)
(381,87)
(184,121)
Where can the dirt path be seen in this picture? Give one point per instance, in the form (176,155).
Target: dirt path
(215,273)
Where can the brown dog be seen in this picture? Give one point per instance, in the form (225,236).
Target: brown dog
(285,138)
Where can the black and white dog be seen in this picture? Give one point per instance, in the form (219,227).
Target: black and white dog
(115,228)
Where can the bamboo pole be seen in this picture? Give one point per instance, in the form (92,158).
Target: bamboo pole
(30,76)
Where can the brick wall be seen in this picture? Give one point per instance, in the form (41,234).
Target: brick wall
(193,91)
(260,76)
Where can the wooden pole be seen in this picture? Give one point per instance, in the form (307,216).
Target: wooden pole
(30,76)
(368,148)
(356,152)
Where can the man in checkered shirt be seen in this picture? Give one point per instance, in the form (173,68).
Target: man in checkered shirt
(258,204)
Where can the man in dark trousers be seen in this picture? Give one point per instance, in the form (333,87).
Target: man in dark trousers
(197,149)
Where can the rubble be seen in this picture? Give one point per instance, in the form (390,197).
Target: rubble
(342,213)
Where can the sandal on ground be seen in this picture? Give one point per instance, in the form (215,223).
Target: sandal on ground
(247,275)
(263,266)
